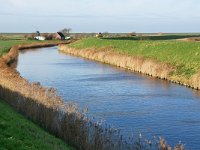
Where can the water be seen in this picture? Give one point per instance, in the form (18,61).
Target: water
(129,101)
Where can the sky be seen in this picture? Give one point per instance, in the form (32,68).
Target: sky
(100,15)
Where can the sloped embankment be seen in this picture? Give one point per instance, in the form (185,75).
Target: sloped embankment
(44,107)
(139,64)
(40,104)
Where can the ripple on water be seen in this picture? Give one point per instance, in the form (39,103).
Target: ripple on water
(129,101)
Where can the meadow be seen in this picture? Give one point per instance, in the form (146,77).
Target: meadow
(9,40)
(184,55)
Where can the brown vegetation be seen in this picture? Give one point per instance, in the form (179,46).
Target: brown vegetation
(43,106)
(195,82)
(132,34)
(138,64)
(29,36)
(191,39)
(1,37)
(107,55)
(160,34)
(48,36)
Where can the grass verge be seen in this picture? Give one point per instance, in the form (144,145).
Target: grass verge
(18,133)
(185,56)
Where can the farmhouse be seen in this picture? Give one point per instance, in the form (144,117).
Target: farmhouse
(39,37)
(61,36)
(99,34)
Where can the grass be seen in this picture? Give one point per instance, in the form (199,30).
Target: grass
(5,45)
(185,56)
(17,133)
(7,41)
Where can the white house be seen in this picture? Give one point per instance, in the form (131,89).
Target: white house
(40,38)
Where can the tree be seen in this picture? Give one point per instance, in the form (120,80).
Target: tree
(66,30)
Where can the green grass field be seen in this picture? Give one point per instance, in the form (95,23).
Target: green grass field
(17,133)
(184,55)
(5,45)
(7,41)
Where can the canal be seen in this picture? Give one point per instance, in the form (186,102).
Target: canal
(128,101)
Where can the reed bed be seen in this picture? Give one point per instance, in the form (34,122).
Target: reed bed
(107,55)
(44,107)
(18,133)
(183,55)
(139,64)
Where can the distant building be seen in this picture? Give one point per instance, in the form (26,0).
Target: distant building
(61,36)
(99,34)
(40,38)
(67,38)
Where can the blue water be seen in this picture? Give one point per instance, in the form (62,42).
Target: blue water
(129,101)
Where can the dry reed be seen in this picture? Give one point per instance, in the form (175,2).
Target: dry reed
(107,55)
(44,107)
(138,64)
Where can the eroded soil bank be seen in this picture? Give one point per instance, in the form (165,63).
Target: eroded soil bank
(139,64)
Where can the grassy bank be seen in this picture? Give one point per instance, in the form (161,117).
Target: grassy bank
(17,133)
(185,56)
(5,45)
(43,106)
(7,41)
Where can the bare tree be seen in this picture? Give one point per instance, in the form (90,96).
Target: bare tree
(66,30)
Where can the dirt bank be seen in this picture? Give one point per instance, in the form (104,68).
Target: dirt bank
(138,64)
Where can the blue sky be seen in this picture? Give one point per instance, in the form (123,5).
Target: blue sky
(100,15)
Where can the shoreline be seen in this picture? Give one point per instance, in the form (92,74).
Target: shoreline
(44,107)
(37,103)
(148,67)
